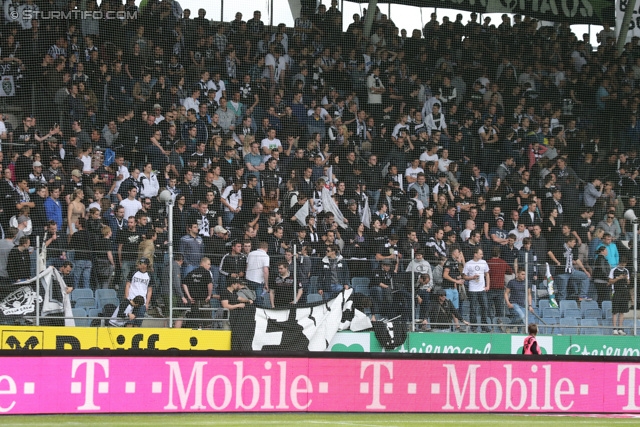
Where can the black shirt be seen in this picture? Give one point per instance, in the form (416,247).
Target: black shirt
(130,240)
(454,273)
(197,282)
(81,244)
(19,265)
(283,290)
(101,247)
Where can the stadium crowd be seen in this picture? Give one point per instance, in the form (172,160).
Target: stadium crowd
(475,147)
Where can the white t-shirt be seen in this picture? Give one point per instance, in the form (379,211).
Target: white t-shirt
(122,170)
(221,88)
(140,283)
(256,261)
(471,268)
(271,144)
(86,164)
(413,172)
(424,157)
(232,199)
(443,164)
(131,207)
(519,237)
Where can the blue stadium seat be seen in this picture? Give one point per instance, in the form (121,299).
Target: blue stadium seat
(592,313)
(550,325)
(105,293)
(93,312)
(590,330)
(588,305)
(606,309)
(573,312)
(80,317)
(565,326)
(360,285)
(542,304)
(81,293)
(103,302)
(551,312)
(85,303)
(567,304)
(314,298)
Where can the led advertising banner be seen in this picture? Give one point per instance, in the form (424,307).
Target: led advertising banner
(163,384)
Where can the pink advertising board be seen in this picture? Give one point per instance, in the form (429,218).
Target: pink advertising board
(37,385)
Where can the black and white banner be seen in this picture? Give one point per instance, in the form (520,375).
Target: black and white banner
(309,328)
(22,301)
(299,329)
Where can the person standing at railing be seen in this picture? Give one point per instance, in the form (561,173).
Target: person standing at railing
(81,243)
(140,283)
(619,281)
(198,289)
(6,246)
(192,248)
(476,271)
(104,259)
(19,262)
(128,240)
(515,293)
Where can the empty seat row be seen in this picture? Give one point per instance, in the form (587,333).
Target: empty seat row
(574,326)
(569,308)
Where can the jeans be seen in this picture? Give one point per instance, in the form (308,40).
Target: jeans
(140,313)
(453,296)
(82,274)
(562,280)
(227,217)
(260,300)
(127,268)
(496,300)
(519,310)
(478,300)
(424,307)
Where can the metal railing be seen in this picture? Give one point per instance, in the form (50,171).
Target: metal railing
(414,320)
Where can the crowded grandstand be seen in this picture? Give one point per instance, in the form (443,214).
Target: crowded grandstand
(445,176)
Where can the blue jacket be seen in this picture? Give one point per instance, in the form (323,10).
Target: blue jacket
(53,211)
(613,257)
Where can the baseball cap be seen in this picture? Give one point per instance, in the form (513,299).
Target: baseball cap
(76,173)
(157,107)
(500,218)
(37,164)
(144,260)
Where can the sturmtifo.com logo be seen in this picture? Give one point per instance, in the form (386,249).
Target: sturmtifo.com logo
(28,15)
